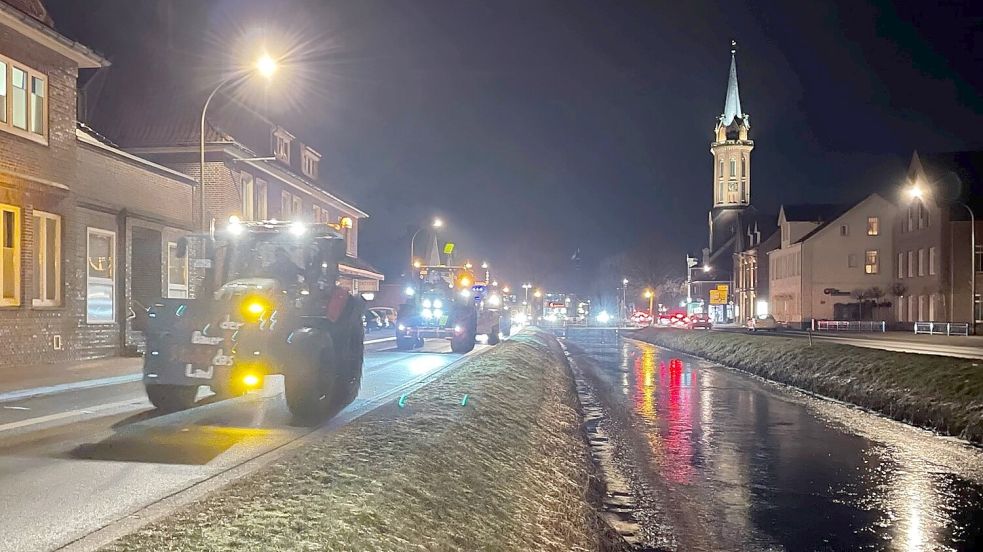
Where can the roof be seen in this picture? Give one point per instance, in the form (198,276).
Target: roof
(359,264)
(88,136)
(843,209)
(814,212)
(732,102)
(30,18)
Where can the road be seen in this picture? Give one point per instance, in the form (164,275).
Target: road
(73,462)
(956,346)
(719,460)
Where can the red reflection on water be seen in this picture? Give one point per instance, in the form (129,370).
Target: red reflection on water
(663,401)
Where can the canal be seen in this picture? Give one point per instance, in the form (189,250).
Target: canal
(720,460)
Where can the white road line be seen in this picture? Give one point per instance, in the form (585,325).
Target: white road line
(71,413)
(380,340)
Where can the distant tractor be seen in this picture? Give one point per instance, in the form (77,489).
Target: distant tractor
(447,302)
(270,305)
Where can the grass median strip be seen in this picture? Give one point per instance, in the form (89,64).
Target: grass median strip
(942,393)
(504,468)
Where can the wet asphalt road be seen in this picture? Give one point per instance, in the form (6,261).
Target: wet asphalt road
(73,462)
(723,461)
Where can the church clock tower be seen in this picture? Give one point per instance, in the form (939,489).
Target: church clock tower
(731,150)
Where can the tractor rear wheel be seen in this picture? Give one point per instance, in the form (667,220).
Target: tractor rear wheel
(464,343)
(405,343)
(493,337)
(172,398)
(310,385)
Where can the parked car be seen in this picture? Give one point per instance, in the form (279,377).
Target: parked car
(675,320)
(700,322)
(762,322)
(641,318)
(379,318)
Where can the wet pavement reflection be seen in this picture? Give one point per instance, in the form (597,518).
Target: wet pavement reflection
(740,464)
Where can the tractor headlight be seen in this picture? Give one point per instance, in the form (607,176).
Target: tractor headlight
(426,313)
(437,313)
(426,303)
(438,304)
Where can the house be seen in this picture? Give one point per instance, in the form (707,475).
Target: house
(72,206)
(833,262)
(936,259)
(751,271)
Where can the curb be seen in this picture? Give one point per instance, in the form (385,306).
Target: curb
(20,394)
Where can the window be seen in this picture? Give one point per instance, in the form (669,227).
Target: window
(733,168)
(871,265)
(281,145)
(785,232)
(9,255)
(721,172)
(262,212)
(310,165)
(932,260)
(23,100)
(978,307)
(351,244)
(851,261)
(922,215)
(901,265)
(978,258)
(177,273)
(921,262)
(873,226)
(47,259)
(743,166)
(246,194)
(285,205)
(297,211)
(911,219)
(912,314)
(100,304)
(844,230)
(911,264)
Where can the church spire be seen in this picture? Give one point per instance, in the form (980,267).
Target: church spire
(732,104)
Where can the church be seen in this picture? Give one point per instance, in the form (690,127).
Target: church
(734,224)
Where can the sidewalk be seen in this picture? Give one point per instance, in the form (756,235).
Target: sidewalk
(19,381)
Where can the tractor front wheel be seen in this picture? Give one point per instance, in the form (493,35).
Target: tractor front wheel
(172,398)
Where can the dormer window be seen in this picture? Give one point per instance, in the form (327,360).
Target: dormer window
(310,162)
(281,145)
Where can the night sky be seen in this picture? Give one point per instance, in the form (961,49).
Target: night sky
(538,128)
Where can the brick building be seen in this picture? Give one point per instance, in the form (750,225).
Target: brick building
(71,205)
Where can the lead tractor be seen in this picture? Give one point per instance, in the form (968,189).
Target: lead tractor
(270,304)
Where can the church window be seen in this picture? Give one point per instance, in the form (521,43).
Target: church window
(721,176)
(844,230)
(733,168)
(743,167)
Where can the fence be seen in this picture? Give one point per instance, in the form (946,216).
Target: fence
(942,328)
(849,326)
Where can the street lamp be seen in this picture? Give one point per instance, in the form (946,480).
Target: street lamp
(650,295)
(916,192)
(266,66)
(437,223)
(537,294)
(624,299)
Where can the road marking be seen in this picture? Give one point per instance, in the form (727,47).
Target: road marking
(11,396)
(71,413)
(380,340)
(16,408)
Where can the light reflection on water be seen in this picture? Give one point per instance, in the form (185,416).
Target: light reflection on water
(746,466)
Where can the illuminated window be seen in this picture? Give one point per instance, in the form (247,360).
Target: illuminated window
(177,273)
(3,92)
(47,259)
(873,226)
(100,304)
(9,255)
(871,265)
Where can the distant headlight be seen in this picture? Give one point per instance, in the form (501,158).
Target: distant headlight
(410,292)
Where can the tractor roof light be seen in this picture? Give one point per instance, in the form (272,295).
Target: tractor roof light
(298,228)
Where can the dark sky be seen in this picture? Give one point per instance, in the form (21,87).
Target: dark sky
(536,128)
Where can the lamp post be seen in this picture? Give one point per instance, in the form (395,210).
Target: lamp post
(650,295)
(916,192)
(265,66)
(624,299)
(437,223)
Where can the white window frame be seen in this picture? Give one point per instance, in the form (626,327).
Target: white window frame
(932,260)
(111,281)
(15,256)
(281,145)
(31,74)
(921,261)
(41,259)
(262,199)
(310,163)
(286,204)
(901,265)
(176,291)
(246,194)
(874,267)
(297,207)
(911,264)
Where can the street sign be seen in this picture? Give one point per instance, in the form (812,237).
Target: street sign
(719,296)
(448,248)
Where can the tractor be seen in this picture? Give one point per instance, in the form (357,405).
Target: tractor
(270,304)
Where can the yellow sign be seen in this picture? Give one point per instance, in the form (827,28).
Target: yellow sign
(718,296)
(448,248)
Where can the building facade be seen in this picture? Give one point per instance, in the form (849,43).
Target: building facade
(833,263)
(72,206)
(934,261)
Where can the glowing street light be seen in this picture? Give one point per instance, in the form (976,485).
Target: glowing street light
(650,295)
(266,66)
(436,223)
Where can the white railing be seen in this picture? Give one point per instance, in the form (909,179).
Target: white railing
(849,325)
(942,328)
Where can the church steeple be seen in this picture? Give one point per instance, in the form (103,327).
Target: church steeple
(731,148)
